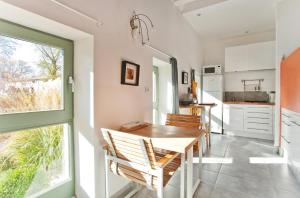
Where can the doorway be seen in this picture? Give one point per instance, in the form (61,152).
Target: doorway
(162,90)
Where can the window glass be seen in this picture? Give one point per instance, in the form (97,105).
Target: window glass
(30,76)
(33,160)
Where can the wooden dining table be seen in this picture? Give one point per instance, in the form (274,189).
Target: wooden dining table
(178,139)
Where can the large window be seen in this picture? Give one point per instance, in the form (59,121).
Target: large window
(36,113)
(31,76)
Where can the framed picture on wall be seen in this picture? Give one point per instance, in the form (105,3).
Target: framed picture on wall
(185,78)
(130,73)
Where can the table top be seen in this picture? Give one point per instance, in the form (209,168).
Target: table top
(178,139)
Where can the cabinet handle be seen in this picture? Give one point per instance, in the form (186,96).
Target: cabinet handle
(260,113)
(286,140)
(260,118)
(258,129)
(295,123)
(285,123)
(258,107)
(257,123)
(286,116)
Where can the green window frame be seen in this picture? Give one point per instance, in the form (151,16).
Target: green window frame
(29,120)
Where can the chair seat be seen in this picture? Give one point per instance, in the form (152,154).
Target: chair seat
(144,178)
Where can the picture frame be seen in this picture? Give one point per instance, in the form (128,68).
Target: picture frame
(130,73)
(185,78)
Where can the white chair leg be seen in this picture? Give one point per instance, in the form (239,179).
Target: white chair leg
(160,184)
(106,175)
(182,176)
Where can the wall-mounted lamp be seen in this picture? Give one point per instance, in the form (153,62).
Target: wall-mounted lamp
(139,25)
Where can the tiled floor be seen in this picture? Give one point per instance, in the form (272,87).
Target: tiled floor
(239,179)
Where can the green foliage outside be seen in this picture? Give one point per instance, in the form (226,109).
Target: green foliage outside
(28,151)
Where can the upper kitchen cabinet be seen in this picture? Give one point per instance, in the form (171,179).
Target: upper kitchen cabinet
(257,56)
(236,58)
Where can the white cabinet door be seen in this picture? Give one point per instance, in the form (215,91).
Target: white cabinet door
(236,58)
(233,118)
(257,56)
(261,56)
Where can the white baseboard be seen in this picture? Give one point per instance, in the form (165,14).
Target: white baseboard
(249,134)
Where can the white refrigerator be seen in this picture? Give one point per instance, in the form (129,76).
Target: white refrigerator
(213,92)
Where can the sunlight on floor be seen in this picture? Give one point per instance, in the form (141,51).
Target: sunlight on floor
(267,160)
(214,160)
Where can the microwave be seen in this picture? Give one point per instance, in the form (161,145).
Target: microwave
(212,70)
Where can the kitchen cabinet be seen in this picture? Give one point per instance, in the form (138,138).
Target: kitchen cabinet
(290,138)
(290,110)
(254,121)
(236,59)
(261,56)
(233,117)
(256,56)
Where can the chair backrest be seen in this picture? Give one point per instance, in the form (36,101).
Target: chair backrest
(130,147)
(183,120)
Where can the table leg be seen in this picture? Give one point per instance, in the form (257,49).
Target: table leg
(209,127)
(182,177)
(190,173)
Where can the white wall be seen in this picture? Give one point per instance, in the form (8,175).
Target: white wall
(288,40)
(233,81)
(214,53)
(114,103)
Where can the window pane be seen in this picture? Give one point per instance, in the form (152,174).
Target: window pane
(33,160)
(30,76)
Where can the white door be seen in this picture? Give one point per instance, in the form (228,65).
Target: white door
(217,112)
(213,83)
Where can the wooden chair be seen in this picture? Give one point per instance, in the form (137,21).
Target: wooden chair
(134,158)
(189,121)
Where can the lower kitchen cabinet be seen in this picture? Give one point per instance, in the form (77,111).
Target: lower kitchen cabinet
(290,139)
(233,117)
(255,121)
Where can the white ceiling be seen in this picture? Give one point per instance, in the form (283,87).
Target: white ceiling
(228,18)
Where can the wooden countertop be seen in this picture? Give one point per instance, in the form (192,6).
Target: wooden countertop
(198,105)
(251,103)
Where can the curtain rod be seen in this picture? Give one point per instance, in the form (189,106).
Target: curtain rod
(157,50)
(98,23)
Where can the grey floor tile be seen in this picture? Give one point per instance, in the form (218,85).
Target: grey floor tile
(204,191)
(208,177)
(225,193)
(255,188)
(239,179)
(245,172)
(286,194)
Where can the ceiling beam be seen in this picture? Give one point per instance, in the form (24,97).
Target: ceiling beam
(198,4)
